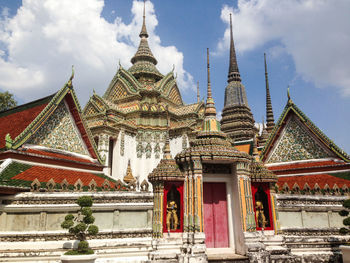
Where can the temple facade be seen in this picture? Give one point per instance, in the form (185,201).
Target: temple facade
(170,182)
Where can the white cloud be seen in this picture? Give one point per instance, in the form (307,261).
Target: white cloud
(41,42)
(314,32)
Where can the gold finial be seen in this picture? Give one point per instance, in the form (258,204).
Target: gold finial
(198,95)
(71,78)
(210,105)
(167,154)
(129,178)
(143,32)
(288,94)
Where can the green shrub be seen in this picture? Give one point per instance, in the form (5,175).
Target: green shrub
(83,246)
(93,230)
(85,201)
(82,227)
(346,221)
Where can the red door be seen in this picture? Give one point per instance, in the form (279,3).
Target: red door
(215,215)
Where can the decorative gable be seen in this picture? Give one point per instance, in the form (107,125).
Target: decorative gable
(297,143)
(90,110)
(118,92)
(59,132)
(174,95)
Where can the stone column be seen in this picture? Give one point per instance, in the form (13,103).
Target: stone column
(197,195)
(246,199)
(190,199)
(157,226)
(185,201)
(103,147)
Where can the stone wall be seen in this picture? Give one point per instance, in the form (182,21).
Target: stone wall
(310,226)
(30,224)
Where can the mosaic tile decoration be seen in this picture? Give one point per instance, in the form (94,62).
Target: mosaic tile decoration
(296,144)
(58,132)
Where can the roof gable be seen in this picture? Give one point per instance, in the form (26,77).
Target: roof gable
(295,137)
(43,119)
(59,132)
(15,120)
(123,85)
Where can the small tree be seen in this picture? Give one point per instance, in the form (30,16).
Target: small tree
(346,221)
(7,101)
(81,225)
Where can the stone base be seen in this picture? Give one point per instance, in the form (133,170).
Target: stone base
(78,258)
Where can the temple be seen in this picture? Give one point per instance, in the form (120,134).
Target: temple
(170,182)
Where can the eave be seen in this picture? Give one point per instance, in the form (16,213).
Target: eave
(37,158)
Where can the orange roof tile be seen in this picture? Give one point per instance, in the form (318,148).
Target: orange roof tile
(14,121)
(311,180)
(243,148)
(44,174)
(305,165)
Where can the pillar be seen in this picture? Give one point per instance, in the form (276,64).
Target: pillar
(246,199)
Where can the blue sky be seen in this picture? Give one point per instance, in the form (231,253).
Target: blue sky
(307,45)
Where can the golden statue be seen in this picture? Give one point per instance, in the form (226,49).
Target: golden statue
(172,220)
(259,214)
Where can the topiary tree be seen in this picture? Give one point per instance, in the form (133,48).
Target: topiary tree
(346,221)
(81,225)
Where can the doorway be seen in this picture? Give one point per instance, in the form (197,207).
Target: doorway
(215,215)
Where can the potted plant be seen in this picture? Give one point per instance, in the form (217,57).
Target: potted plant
(80,226)
(345,250)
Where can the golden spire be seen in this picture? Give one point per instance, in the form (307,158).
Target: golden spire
(198,95)
(128,178)
(210,109)
(167,154)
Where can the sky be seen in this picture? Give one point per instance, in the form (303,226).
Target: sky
(307,44)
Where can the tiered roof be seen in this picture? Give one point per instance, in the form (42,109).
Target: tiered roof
(137,98)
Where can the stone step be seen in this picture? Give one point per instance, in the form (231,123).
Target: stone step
(227,258)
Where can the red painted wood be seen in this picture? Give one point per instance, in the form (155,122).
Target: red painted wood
(265,187)
(208,215)
(220,215)
(215,215)
(167,187)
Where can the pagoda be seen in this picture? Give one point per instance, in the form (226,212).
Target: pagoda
(237,119)
(129,121)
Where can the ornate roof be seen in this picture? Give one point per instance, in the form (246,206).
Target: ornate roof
(167,169)
(18,174)
(313,142)
(15,120)
(259,173)
(137,98)
(35,115)
(328,183)
(144,63)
